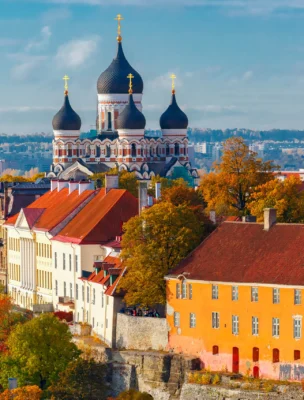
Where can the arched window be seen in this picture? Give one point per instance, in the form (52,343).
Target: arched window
(142,150)
(133,150)
(97,151)
(167,149)
(109,121)
(70,153)
(88,151)
(108,151)
(157,151)
(77,151)
(215,350)
(176,149)
(124,152)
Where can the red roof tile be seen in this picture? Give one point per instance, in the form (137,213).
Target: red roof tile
(101,219)
(245,252)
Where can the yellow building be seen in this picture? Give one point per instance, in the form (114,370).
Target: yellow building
(236,301)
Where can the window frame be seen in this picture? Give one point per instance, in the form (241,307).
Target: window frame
(275,327)
(255,326)
(215,292)
(184,289)
(192,320)
(235,325)
(297,327)
(234,293)
(176,319)
(276,295)
(254,294)
(215,320)
(297,295)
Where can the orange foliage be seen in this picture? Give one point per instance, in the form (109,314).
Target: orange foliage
(22,393)
(6,306)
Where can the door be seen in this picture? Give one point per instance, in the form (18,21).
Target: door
(256,372)
(235,360)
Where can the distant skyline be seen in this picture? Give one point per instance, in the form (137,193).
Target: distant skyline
(239,63)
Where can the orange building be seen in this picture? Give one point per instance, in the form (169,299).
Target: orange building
(237,301)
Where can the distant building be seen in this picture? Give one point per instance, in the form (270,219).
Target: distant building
(236,301)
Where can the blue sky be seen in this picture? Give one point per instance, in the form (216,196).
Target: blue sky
(239,63)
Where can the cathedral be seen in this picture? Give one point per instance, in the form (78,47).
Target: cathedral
(121,141)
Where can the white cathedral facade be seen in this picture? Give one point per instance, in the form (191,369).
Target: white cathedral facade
(121,140)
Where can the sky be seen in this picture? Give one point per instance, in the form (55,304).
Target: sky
(239,63)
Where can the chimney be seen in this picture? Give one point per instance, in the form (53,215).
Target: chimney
(85,185)
(72,186)
(111,182)
(212,216)
(270,218)
(61,183)
(143,195)
(157,190)
(6,200)
(248,218)
(53,184)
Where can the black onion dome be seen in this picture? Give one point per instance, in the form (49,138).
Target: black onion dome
(173,117)
(131,117)
(114,78)
(66,119)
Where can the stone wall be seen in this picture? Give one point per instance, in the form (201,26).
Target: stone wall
(141,333)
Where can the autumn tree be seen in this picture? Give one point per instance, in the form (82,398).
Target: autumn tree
(22,393)
(8,317)
(133,394)
(126,180)
(153,244)
(165,183)
(82,379)
(38,351)
(229,188)
(285,196)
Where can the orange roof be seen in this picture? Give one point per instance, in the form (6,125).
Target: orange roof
(101,219)
(57,205)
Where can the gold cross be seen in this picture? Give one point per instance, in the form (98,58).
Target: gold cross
(173,77)
(118,19)
(130,76)
(66,79)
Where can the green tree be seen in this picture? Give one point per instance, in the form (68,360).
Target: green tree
(128,181)
(38,351)
(82,380)
(133,394)
(165,183)
(228,190)
(285,196)
(153,244)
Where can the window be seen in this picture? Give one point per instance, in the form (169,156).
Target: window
(76,291)
(76,263)
(94,294)
(192,320)
(178,292)
(93,322)
(190,291)
(255,354)
(167,149)
(102,300)
(70,262)
(63,260)
(133,150)
(296,355)
(88,294)
(64,289)
(177,319)
(55,259)
(254,294)
(297,296)
(275,327)
(215,320)
(176,149)
(276,295)
(108,151)
(184,290)
(275,355)
(56,288)
(235,325)
(235,293)
(215,292)
(82,293)
(87,316)
(109,121)
(215,350)
(255,325)
(297,325)
(71,291)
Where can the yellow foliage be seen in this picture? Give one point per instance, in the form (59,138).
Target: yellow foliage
(229,188)
(22,393)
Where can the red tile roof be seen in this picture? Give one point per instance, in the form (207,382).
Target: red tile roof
(57,205)
(246,253)
(101,219)
(32,214)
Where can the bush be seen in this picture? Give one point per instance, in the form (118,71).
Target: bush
(206,379)
(133,394)
(268,387)
(216,379)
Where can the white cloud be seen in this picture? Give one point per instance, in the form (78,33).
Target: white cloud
(215,109)
(247,75)
(26,66)
(42,41)
(164,81)
(8,42)
(23,109)
(76,52)
(54,15)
